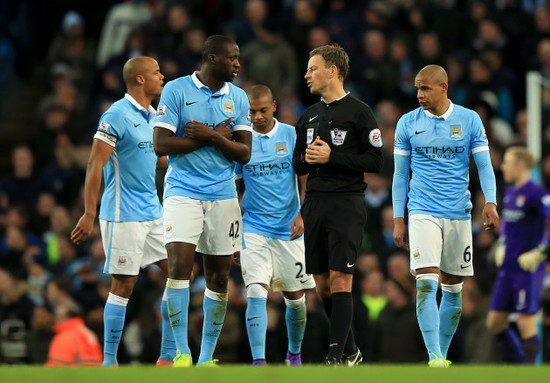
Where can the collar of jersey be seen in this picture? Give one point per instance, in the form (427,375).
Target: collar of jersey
(269,134)
(338,99)
(137,105)
(224,89)
(444,115)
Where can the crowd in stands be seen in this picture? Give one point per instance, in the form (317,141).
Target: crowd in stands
(486,46)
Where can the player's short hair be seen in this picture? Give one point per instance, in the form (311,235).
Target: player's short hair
(216,44)
(521,154)
(259,91)
(333,54)
(134,67)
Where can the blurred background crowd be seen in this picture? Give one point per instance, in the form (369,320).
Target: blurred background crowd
(61,68)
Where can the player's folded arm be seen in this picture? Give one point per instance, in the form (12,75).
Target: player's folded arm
(166,143)
(238,150)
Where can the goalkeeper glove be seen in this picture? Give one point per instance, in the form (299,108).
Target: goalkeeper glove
(530,260)
(500,252)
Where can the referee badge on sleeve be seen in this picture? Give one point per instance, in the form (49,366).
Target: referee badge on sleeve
(375,138)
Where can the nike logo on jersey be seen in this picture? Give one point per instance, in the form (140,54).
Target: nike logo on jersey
(350,266)
(217,323)
(464,266)
(116,330)
(175,314)
(190,103)
(312,118)
(249,319)
(417,132)
(304,281)
(136,125)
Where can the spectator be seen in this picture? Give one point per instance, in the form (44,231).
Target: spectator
(71,49)
(270,53)
(40,335)
(15,318)
(120,21)
(398,339)
(23,185)
(74,344)
(242,31)
(60,224)
(38,276)
(172,40)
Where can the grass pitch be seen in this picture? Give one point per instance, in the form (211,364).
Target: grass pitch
(278,374)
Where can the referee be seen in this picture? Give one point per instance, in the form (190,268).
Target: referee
(337,141)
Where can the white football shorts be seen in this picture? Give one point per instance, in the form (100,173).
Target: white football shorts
(130,246)
(441,242)
(275,262)
(215,227)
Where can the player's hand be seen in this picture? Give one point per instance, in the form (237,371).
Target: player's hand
(318,152)
(82,229)
(490,216)
(224,131)
(297,227)
(531,260)
(199,131)
(237,258)
(500,252)
(400,235)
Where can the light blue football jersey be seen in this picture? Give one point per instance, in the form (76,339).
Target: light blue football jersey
(204,174)
(130,193)
(271,200)
(439,150)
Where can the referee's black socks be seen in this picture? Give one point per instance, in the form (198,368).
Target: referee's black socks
(350,346)
(340,325)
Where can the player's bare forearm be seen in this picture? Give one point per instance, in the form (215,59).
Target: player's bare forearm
(94,173)
(101,152)
(91,188)
(238,150)
(165,143)
(162,163)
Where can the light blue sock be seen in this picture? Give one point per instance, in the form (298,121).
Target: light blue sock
(168,347)
(428,315)
(113,324)
(177,293)
(214,308)
(295,316)
(256,326)
(450,310)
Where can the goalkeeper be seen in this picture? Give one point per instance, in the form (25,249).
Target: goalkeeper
(519,284)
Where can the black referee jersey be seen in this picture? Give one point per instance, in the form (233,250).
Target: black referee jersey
(349,127)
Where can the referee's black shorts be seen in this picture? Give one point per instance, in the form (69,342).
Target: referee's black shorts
(333,232)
